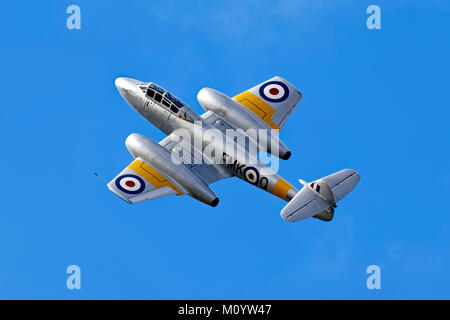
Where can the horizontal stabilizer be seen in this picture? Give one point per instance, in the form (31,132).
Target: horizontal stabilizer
(342,182)
(320,195)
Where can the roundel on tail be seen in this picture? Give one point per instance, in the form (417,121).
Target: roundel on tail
(274,91)
(130,183)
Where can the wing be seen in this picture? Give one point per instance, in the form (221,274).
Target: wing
(273,101)
(140,182)
(223,125)
(209,173)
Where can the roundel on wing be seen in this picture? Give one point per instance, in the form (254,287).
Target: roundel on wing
(251,174)
(130,183)
(274,91)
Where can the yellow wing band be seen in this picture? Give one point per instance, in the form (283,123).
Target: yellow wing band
(281,188)
(258,107)
(150,174)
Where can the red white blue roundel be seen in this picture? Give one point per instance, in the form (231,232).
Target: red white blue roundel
(251,174)
(274,91)
(315,186)
(130,183)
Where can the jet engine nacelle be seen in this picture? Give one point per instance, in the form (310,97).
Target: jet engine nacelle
(232,111)
(160,159)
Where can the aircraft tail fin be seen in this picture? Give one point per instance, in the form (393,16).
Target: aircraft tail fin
(318,198)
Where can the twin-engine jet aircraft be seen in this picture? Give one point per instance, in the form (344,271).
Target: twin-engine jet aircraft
(264,108)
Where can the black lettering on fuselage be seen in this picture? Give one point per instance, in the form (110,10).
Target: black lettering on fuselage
(239,169)
(263,183)
(232,166)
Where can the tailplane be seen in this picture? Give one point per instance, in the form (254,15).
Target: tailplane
(318,198)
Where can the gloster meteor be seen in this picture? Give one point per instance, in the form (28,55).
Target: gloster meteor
(264,108)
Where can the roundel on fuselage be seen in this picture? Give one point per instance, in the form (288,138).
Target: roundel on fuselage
(251,174)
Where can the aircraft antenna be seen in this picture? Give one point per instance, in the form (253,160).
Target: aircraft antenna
(100,177)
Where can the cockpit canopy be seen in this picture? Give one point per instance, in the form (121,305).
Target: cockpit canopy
(171,102)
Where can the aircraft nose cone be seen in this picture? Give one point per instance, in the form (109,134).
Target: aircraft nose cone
(124,85)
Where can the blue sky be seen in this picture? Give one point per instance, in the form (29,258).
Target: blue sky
(374,100)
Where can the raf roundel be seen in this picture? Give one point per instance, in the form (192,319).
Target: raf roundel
(251,174)
(130,183)
(274,91)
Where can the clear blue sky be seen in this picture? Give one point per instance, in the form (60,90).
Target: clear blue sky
(374,100)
